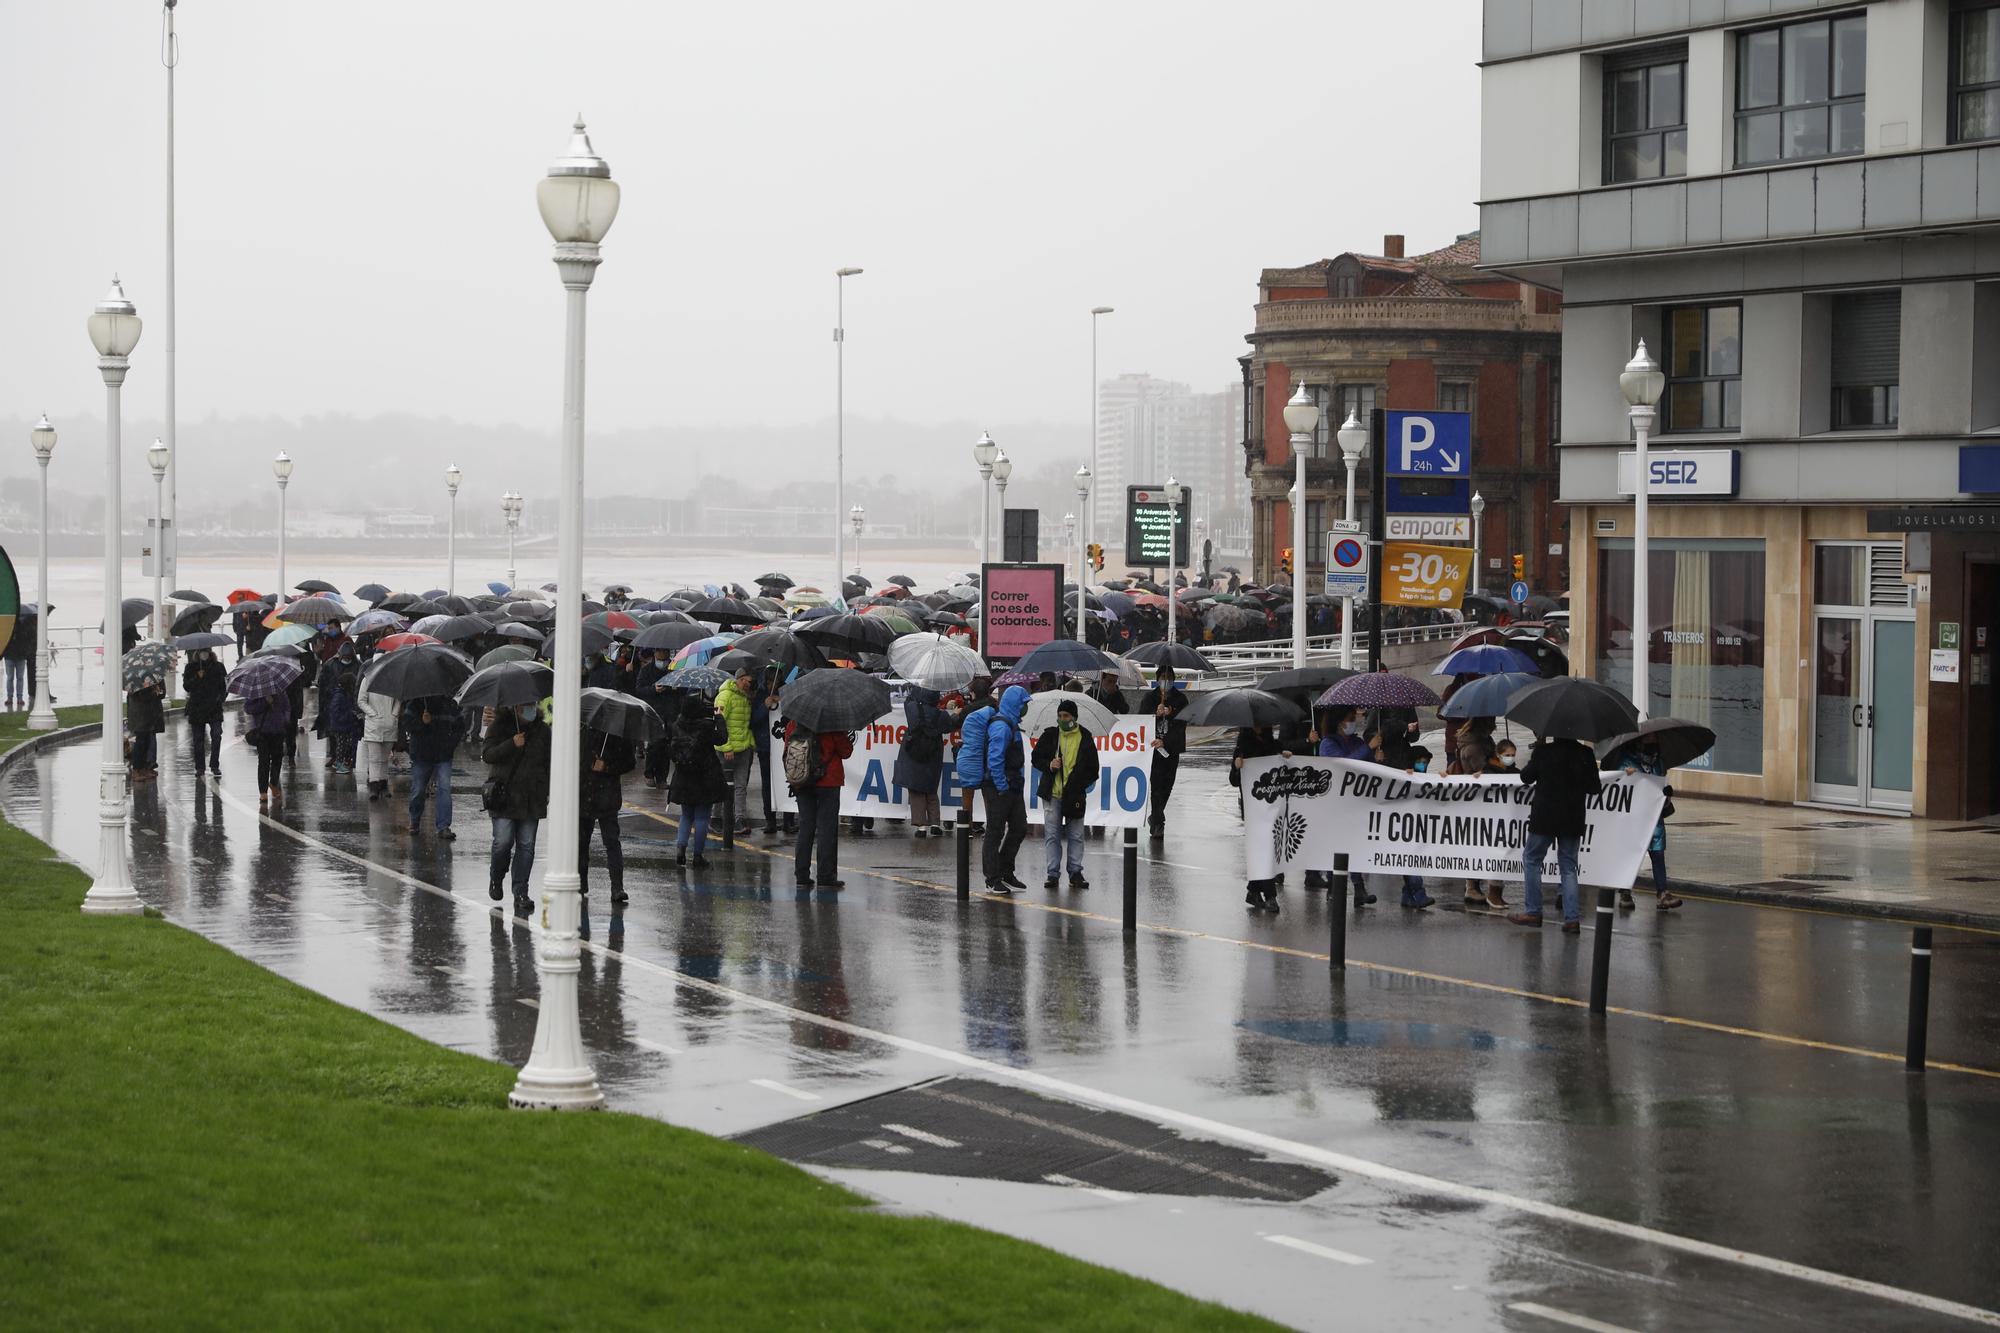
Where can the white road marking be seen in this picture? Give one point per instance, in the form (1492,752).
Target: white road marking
(924,1136)
(1413,1181)
(322,916)
(448,971)
(776,1086)
(532,1004)
(1323,1251)
(883,1145)
(1555,1316)
(1116,1196)
(659,1046)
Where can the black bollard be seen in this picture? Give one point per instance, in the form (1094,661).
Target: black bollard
(729,815)
(1920,998)
(1336,915)
(1131,881)
(1600,951)
(965,846)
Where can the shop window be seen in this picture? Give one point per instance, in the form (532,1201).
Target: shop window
(1645,116)
(1867,359)
(1799,91)
(1975,71)
(1704,651)
(1704,364)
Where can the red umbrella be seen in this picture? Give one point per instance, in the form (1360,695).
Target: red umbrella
(245,595)
(1473,638)
(389,643)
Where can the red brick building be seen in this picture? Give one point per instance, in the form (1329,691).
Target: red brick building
(1430,331)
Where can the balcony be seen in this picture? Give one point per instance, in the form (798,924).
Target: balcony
(1400,314)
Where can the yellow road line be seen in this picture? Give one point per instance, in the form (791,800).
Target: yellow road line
(1391,969)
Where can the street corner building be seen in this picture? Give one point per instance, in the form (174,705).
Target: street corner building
(1798,211)
(1430,332)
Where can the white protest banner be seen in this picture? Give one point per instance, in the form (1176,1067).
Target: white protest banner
(1124,784)
(1301,812)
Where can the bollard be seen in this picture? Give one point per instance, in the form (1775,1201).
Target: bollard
(1131,881)
(729,815)
(1600,951)
(965,845)
(1336,915)
(1920,998)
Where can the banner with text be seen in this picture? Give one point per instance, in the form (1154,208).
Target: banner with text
(1299,813)
(1414,575)
(1124,784)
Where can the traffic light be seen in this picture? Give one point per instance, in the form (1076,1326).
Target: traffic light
(1520,566)
(1097,556)
(1285,562)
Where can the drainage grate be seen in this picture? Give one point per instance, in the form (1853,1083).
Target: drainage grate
(990,1131)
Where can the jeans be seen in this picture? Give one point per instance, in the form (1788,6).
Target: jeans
(1056,830)
(694,826)
(1006,826)
(1659,858)
(1531,874)
(145,750)
(606,828)
(17,680)
(207,743)
(421,776)
(270,760)
(514,839)
(819,827)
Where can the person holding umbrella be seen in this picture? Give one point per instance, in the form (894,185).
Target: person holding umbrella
(342,711)
(666,703)
(1564,775)
(739,747)
(145,719)
(1066,758)
(920,762)
(203,683)
(1655,747)
(699,784)
(432,728)
(517,756)
(1257,743)
(822,709)
(1165,701)
(605,759)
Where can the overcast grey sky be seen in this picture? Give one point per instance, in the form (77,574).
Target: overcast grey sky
(358,229)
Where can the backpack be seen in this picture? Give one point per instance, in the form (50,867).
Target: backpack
(972,747)
(805,765)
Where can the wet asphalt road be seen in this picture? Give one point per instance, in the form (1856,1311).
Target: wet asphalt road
(1498,1159)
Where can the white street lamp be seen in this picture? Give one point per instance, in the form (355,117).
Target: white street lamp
(857,516)
(1353,438)
(1090,515)
(1641,384)
(1003,468)
(1069,541)
(157,458)
(281,468)
(1301,416)
(114,331)
(840,277)
(984,451)
(452,476)
(1082,560)
(42,716)
(1173,550)
(510,506)
(1478,546)
(578,201)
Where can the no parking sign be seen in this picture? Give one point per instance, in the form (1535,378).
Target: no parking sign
(1346,566)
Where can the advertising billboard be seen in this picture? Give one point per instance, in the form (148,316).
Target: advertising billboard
(1020,608)
(1148,520)
(1414,575)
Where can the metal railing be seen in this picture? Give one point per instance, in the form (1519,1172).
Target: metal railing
(76,648)
(1236,662)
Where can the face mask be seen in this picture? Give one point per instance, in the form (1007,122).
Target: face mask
(1351,729)
(526,712)
(1067,724)
(1423,765)
(1507,760)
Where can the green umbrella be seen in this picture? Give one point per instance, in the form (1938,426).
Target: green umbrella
(278,638)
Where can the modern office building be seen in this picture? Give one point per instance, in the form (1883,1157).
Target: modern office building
(1797,207)
(1150,429)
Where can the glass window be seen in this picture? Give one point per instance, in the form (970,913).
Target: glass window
(1840,575)
(1645,117)
(1975,72)
(1315,532)
(1454,396)
(1356,400)
(1323,397)
(1704,651)
(1704,365)
(1867,360)
(1799,91)
(1555,402)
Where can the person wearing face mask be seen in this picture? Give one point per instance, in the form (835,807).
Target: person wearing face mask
(1414,895)
(1165,702)
(1644,757)
(1478,754)
(652,687)
(1340,738)
(203,681)
(1066,758)
(517,753)
(1255,743)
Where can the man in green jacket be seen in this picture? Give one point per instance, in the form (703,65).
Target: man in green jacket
(732,701)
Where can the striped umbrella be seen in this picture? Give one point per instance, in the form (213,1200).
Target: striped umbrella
(697,653)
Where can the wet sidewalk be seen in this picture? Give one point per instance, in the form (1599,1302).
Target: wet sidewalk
(1440,1136)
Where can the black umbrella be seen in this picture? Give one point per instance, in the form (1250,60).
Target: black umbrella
(775,580)
(665,615)
(196,619)
(1241,707)
(513,629)
(396,601)
(618,714)
(505,684)
(857,634)
(187,642)
(133,610)
(1680,742)
(1550,661)
(1066,655)
(733,661)
(317,585)
(1574,707)
(834,700)
(372,592)
(188,595)
(1176,655)
(506,652)
(315,611)
(418,672)
(777,644)
(726,611)
(533,612)
(945,620)
(669,636)
(1303,685)
(903,579)
(460,627)
(455,604)
(419,608)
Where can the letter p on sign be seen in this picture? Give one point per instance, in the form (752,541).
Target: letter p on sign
(1417,434)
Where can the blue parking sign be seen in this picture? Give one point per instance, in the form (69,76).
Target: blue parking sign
(1429,444)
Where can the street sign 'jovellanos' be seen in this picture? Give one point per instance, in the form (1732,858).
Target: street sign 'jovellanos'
(1148,519)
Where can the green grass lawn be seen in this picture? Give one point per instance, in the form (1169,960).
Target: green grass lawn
(189,1141)
(14,725)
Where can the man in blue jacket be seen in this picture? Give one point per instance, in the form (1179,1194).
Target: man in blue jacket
(1006,803)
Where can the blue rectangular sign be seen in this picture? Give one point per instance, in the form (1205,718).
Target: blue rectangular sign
(1979,469)
(1429,444)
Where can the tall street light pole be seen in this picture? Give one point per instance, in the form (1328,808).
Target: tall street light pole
(167,530)
(281,468)
(1478,546)
(1641,384)
(510,505)
(158,457)
(114,331)
(1173,552)
(42,716)
(1090,516)
(1069,542)
(1353,437)
(857,516)
(1003,468)
(1301,416)
(983,453)
(578,201)
(1083,476)
(452,476)
(840,277)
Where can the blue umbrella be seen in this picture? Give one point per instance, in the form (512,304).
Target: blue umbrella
(1485,659)
(1066,655)
(701,680)
(1488,697)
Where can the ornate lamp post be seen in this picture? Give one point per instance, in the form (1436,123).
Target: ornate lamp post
(1478,546)
(857,516)
(1083,475)
(1641,383)
(281,468)
(1353,438)
(578,201)
(42,716)
(1003,468)
(510,506)
(452,476)
(114,331)
(157,458)
(1301,415)
(984,451)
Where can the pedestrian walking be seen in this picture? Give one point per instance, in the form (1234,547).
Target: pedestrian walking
(203,684)
(381,719)
(600,793)
(738,750)
(813,768)
(699,784)
(651,687)
(1564,775)
(341,709)
(431,732)
(240,621)
(1255,743)
(18,653)
(1065,760)
(1165,701)
(145,719)
(516,793)
(1643,756)
(1006,802)
(920,762)
(270,728)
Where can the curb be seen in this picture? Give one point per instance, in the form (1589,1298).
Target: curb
(1878,911)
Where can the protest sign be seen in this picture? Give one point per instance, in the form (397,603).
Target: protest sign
(1301,812)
